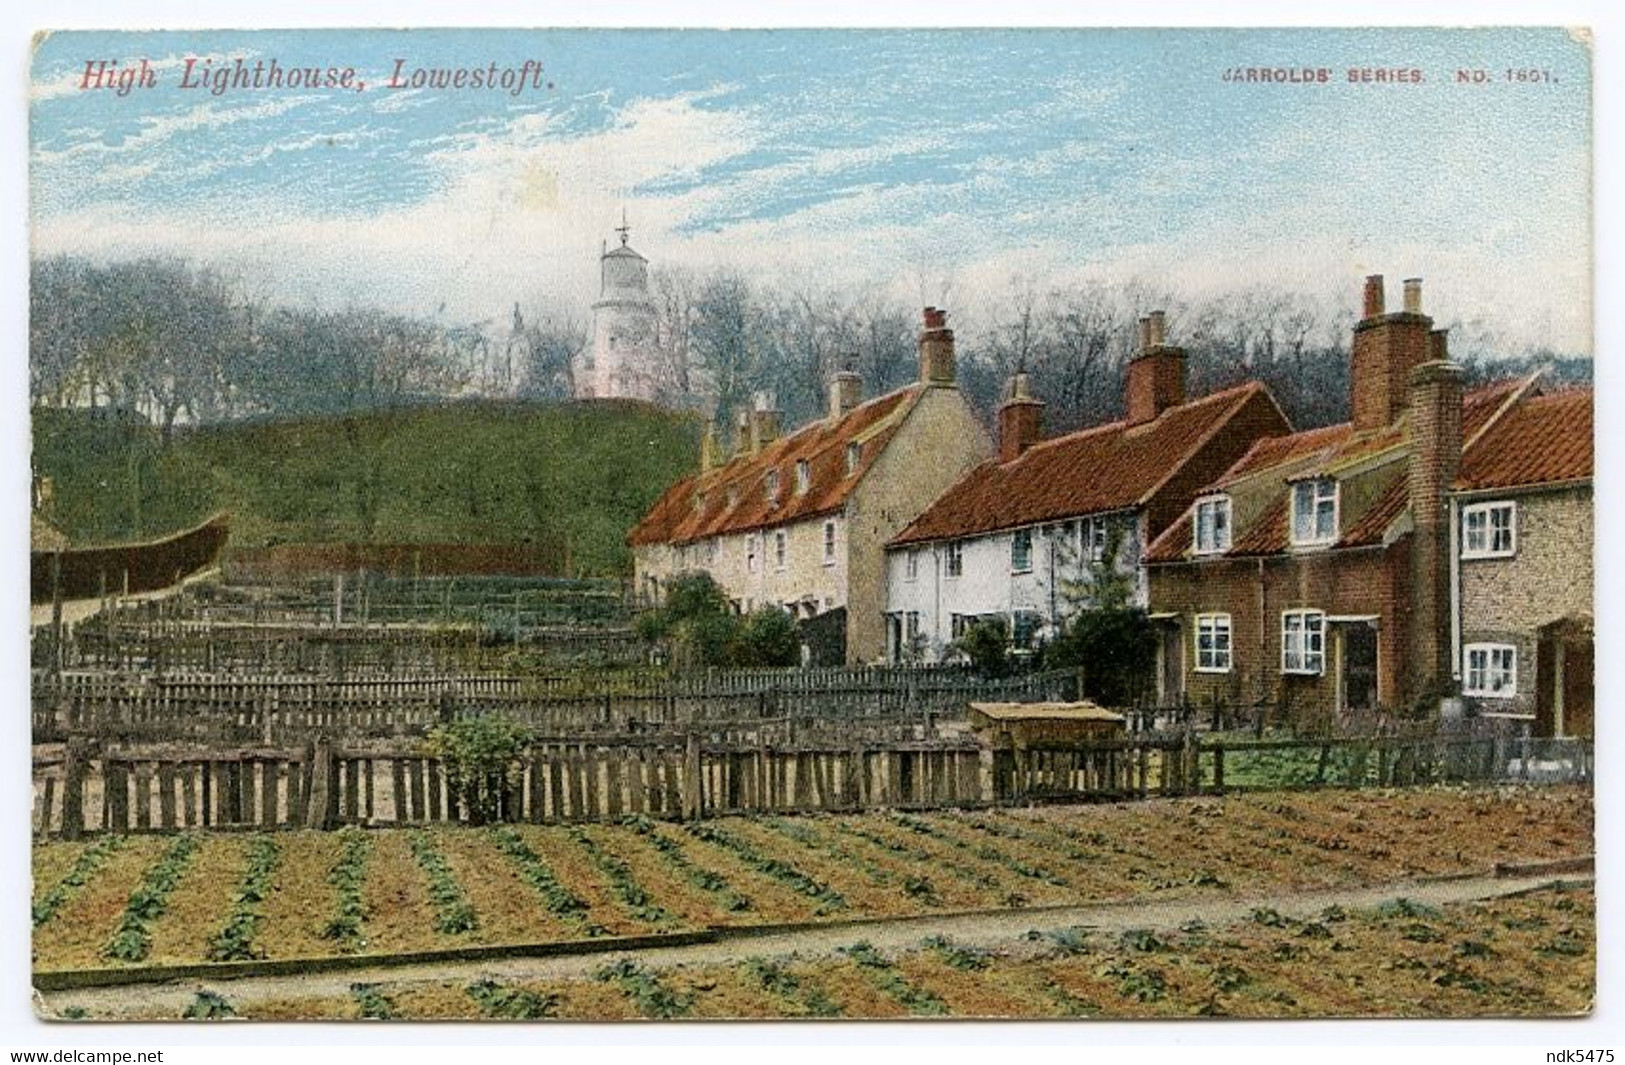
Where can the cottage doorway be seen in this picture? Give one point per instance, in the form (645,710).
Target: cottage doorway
(1357,681)
(1170,665)
(1565,662)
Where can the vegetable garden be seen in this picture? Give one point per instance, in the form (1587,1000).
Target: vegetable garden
(124,902)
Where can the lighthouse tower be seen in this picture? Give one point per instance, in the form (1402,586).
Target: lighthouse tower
(621,358)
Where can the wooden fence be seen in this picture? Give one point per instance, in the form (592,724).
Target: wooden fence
(271,710)
(692,775)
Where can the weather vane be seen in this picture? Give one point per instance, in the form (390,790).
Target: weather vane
(623,229)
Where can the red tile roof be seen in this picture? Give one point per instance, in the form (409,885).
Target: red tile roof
(1371,526)
(1543,440)
(1487,414)
(1105,468)
(733,498)
(1275,451)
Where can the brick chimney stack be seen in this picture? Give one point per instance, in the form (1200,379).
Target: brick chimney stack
(1156,376)
(1435,391)
(1386,348)
(742,432)
(845,392)
(764,421)
(710,448)
(1021,420)
(937,350)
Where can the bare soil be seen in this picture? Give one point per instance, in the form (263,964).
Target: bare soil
(1201,848)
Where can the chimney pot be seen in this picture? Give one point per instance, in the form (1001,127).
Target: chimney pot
(1158,328)
(1373,297)
(937,366)
(1385,349)
(1145,334)
(1413,295)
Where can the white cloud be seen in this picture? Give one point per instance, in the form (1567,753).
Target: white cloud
(520,209)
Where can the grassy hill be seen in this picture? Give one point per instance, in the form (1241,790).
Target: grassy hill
(572,477)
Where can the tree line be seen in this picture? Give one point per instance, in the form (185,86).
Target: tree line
(183,343)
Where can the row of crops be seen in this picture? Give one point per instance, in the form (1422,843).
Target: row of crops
(1529,955)
(149,900)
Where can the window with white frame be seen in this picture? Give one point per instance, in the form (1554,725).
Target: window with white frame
(753,552)
(958,624)
(1489,530)
(911,627)
(954,566)
(911,564)
(1092,539)
(1213,643)
(711,551)
(1314,511)
(772,486)
(829,543)
(1213,525)
(781,549)
(854,455)
(1021,551)
(1490,670)
(1303,641)
(803,476)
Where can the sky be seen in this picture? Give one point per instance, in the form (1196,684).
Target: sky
(931,165)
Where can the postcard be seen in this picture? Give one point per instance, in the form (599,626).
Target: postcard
(620,525)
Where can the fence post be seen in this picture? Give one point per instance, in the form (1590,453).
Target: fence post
(316,796)
(73,789)
(693,805)
(1218,768)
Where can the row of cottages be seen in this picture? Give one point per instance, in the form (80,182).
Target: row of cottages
(801,521)
(1438,544)
(1027,537)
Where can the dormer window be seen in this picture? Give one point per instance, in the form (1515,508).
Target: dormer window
(1213,525)
(1314,511)
(854,455)
(772,486)
(803,477)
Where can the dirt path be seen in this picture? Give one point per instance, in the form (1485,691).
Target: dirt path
(985,930)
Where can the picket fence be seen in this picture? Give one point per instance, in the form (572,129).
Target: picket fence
(272,710)
(80,789)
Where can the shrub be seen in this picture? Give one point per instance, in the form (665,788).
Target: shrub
(481,756)
(987,644)
(1116,647)
(766,637)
